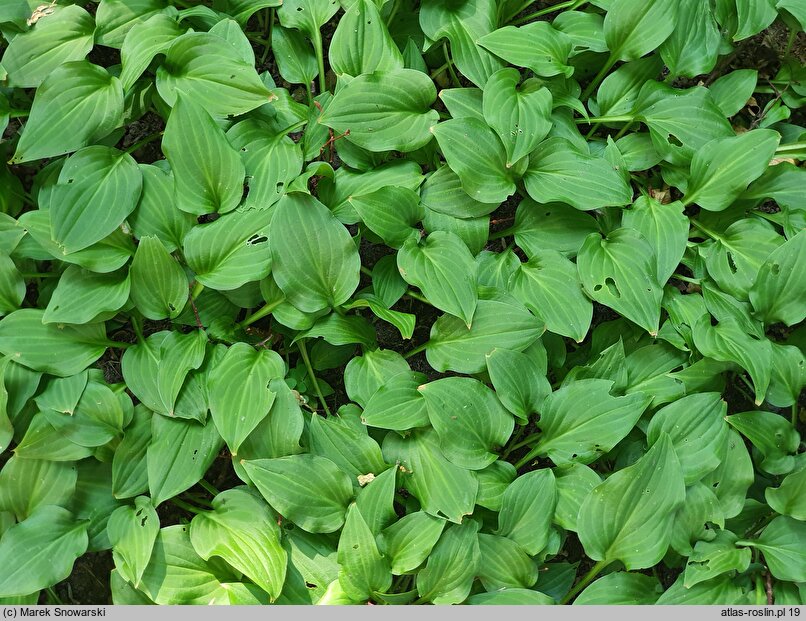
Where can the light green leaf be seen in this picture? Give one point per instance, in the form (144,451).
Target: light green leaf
(12,286)
(295,57)
(537,46)
(310,491)
(143,42)
(500,321)
(629,517)
(84,297)
(239,393)
(714,558)
(208,172)
(433,264)
(475,153)
(241,530)
(520,115)
(365,374)
(376,500)
(719,591)
(574,484)
(632,30)
(391,213)
(151,218)
(132,533)
(527,509)
(97,189)
(364,569)
(307,15)
(76,105)
(409,541)
(733,477)
(620,271)
(520,383)
(779,291)
(178,455)
(558,172)
(452,565)
(469,419)
(781,543)
(443,489)
(64,35)
(27,484)
(620,588)
(397,404)
(693,47)
(385,111)
(790,497)
(41,550)
(315,261)
(504,564)
(231,251)
(211,72)
(351,449)
(753,17)
(696,426)
(772,435)
(442,192)
(553,226)
(508,597)
(361,43)
(115,18)
(49,348)
(665,227)
(548,284)
(160,287)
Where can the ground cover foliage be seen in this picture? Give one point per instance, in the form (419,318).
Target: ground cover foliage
(402,302)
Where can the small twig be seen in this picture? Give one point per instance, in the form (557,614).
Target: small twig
(192,299)
(768,584)
(303,351)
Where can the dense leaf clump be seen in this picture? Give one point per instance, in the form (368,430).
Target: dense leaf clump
(403,301)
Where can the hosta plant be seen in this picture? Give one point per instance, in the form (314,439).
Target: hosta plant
(403,301)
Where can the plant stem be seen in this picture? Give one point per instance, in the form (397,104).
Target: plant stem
(186,505)
(693,281)
(320,60)
(143,142)
(599,77)
(393,12)
(704,229)
(448,60)
(625,118)
(523,442)
(795,414)
(439,70)
(594,571)
(56,599)
(624,129)
(212,490)
(18,114)
(117,344)
(303,351)
(197,289)
(418,297)
(525,459)
(549,9)
(137,326)
(793,146)
(39,275)
(416,350)
(267,47)
(264,310)
(501,234)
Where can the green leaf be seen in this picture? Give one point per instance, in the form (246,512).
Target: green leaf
(129,468)
(231,251)
(385,111)
(520,383)
(97,189)
(114,18)
(714,558)
(520,115)
(49,348)
(307,15)
(574,484)
(696,426)
(665,227)
(527,509)
(64,35)
(397,404)
(391,213)
(442,192)
(772,435)
(242,10)
(176,573)
(558,172)
(548,284)
(160,287)
(151,218)
(279,433)
(431,265)
(132,533)
(362,44)
(310,491)
(208,173)
(241,530)
(620,271)
(409,541)
(84,297)
(504,564)
(778,291)
(620,588)
(28,484)
(693,47)
(239,393)
(628,517)
(376,499)
(65,119)
(719,591)
(581,421)
(733,477)
(727,342)
(351,449)
(212,73)
(551,227)
(475,153)
(364,569)
(469,419)
(452,565)
(732,90)
(295,57)
(443,489)
(790,497)
(6,428)
(537,46)
(314,270)
(143,42)
(178,455)
(41,550)
(632,31)
(723,169)
(365,374)
(753,17)
(507,597)
(781,543)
